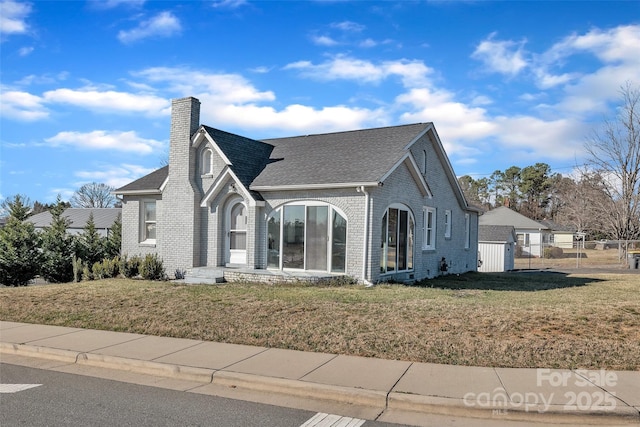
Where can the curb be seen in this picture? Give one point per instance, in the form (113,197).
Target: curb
(317,391)
(509,411)
(383,403)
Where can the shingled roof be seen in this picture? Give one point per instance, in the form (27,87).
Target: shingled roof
(150,183)
(506,216)
(359,156)
(103,218)
(496,233)
(356,157)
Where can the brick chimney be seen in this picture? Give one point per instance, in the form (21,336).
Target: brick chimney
(180,217)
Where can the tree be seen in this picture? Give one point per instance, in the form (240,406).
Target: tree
(535,183)
(58,247)
(114,239)
(510,184)
(90,245)
(475,191)
(20,255)
(93,195)
(614,153)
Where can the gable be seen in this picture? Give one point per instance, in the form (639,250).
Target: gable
(506,216)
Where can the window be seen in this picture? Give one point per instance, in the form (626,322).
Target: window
(149,222)
(206,166)
(397,240)
(307,236)
(424,162)
(447,224)
(429,226)
(467,231)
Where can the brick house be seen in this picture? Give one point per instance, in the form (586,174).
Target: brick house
(375,204)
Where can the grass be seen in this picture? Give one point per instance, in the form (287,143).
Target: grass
(504,320)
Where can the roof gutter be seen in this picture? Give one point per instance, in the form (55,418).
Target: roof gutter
(136,192)
(314,186)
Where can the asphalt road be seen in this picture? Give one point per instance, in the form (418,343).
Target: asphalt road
(72,400)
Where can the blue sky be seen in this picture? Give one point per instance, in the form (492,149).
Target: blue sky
(86,85)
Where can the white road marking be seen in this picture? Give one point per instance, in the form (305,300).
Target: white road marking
(14,388)
(329,420)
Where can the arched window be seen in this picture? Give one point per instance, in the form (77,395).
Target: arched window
(206,166)
(307,236)
(397,240)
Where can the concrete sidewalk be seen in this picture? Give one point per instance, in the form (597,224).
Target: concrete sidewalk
(386,390)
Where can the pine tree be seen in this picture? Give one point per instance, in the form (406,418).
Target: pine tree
(58,247)
(20,254)
(114,239)
(91,247)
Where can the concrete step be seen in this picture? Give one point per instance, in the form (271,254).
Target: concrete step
(204,275)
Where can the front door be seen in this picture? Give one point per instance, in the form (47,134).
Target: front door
(237,232)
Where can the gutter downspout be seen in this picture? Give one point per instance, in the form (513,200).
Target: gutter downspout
(365,239)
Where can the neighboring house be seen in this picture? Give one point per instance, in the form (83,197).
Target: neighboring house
(561,236)
(374,204)
(103,218)
(497,248)
(531,235)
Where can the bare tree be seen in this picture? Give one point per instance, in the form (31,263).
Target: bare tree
(614,153)
(93,195)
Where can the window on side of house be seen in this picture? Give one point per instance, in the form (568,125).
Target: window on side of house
(429,227)
(206,166)
(447,224)
(424,162)
(467,231)
(149,222)
(397,240)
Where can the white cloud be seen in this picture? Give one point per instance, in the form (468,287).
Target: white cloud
(504,57)
(297,118)
(22,105)
(109,101)
(223,88)
(106,140)
(454,120)
(323,41)
(13,17)
(556,139)
(341,67)
(25,51)
(110,4)
(164,24)
(112,175)
(228,4)
(348,26)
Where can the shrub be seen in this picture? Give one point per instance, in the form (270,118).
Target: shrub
(112,266)
(553,252)
(130,267)
(86,272)
(152,268)
(78,267)
(98,270)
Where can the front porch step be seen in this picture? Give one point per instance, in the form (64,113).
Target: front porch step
(204,275)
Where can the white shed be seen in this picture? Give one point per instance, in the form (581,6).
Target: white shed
(496,248)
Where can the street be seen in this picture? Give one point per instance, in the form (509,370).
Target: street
(34,397)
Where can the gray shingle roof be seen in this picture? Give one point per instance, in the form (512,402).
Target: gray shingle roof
(506,216)
(496,233)
(248,157)
(102,217)
(359,156)
(150,182)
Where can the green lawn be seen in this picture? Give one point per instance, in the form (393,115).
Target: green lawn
(506,320)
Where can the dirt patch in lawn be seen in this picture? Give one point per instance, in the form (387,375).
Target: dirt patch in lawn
(502,320)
